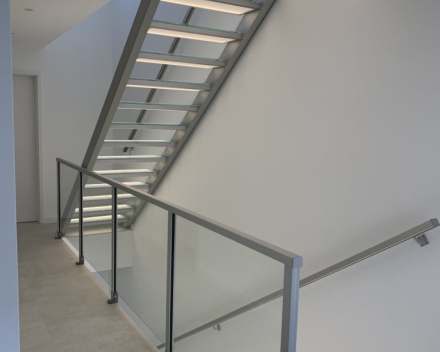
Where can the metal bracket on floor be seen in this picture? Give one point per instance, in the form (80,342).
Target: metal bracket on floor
(422,240)
(59,235)
(80,261)
(217,327)
(113,298)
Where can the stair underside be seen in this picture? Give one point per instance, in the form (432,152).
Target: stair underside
(187,112)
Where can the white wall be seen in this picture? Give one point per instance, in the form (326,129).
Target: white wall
(76,71)
(323,141)
(9,326)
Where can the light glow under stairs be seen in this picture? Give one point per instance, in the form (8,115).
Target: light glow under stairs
(129,172)
(236,7)
(167,85)
(92,186)
(98,219)
(179,60)
(104,209)
(153,126)
(178,30)
(139,143)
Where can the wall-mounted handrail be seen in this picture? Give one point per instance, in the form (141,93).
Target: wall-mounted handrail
(263,247)
(394,241)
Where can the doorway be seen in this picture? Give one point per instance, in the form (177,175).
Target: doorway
(26,148)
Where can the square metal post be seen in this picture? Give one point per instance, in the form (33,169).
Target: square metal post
(59,234)
(171,258)
(290,306)
(81,222)
(114,292)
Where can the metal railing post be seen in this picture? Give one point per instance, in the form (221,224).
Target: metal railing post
(114,292)
(59,234)
(81,222)
(290,306)
(169,339)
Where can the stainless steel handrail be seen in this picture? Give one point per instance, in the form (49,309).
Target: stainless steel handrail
(394,241)
(263,247)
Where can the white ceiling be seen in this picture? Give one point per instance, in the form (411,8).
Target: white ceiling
(48,20)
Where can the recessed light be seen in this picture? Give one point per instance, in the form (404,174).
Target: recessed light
(29,10)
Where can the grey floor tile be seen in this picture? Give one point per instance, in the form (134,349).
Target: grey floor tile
(62,306)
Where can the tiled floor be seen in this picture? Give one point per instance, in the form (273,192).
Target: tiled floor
(62,307)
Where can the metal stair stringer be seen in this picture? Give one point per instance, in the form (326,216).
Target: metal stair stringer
(252,12)
(248,25)
(130,53)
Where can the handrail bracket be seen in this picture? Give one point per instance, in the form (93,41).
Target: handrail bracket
(422,240)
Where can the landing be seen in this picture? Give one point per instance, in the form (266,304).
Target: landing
(62,307)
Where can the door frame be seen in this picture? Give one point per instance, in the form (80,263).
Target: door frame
(39,134)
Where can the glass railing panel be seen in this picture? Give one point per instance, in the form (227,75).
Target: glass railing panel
(97,226)
(142,266)
(69,187)
(258,330)
(216,276)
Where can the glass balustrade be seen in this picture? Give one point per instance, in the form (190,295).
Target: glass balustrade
(190,284)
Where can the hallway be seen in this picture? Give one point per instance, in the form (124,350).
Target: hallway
(62,307)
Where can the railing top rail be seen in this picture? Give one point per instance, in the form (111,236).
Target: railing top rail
(383,246)
(263,247)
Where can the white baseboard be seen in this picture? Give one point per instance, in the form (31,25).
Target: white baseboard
(48,220)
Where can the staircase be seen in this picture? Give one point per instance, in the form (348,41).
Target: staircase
(139,106)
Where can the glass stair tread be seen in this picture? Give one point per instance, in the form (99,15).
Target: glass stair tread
(137,105)
(105,185)
(179,60)
(237,7)
(128,172)
(138,142)
(158,126)
(103,208)
(185,31)
(147,83)
(130,158)
(98,219)
(107,197)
